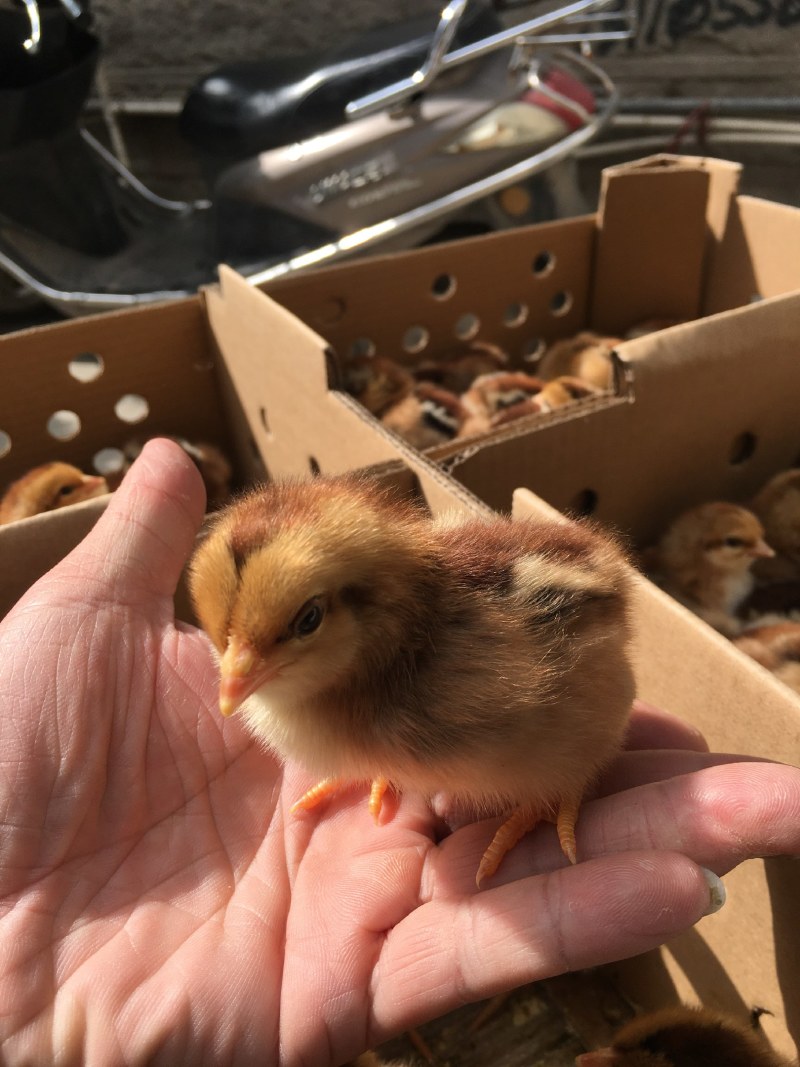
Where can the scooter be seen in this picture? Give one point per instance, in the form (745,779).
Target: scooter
(373,146)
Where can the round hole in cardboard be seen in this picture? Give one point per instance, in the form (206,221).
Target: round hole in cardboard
(262,414)
(86,367)
(362,346)
(515,315)
(415,339)
(543,263)
(533,350)
(443,286)
(331,311)
(5,443)
(63,425)
(583,503)
(742,448)
(108,461)
(467,326)
(561,303)
(313,466)
(131,408)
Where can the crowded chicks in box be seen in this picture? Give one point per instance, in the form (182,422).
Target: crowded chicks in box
(482,658)
(475,389)
(738,568)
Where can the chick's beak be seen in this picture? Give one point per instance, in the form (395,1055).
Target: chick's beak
(242,672)
(761,550)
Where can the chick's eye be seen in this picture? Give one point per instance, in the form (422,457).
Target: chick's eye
(733,542)
(65,490)
(308,618)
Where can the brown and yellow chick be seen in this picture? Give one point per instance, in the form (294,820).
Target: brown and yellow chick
(377,382)
(778,507)
(776,647)
(559,392)
(495,398)
(427,417)
(704,559)
(685,1037)
(485,659)
(45,488)
(457,371)
(587,355)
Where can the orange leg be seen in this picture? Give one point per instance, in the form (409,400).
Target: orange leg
(379,787)
(326,788)
(515,827)
(565,826)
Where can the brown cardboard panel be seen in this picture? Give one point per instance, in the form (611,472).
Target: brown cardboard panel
(507,281)
(756,256)
(651,249)
(161,354)
(747,953)
(708,412)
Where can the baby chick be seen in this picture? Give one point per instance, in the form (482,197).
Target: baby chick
(565,390)
(778,507)
(485,659)
(587,355)
(377,382)
(427,417)
(684,1037)
(776,647)
(704,560)
(492,394)
(45,488)
(458,371)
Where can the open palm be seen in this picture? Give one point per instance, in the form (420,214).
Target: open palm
(158,904)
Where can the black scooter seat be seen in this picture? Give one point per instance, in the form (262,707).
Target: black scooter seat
(244,108)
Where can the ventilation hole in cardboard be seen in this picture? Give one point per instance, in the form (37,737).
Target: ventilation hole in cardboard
(362,346)
(63,425)
(533,350)
(5,443)
(313,466)
(108,461)
(561,303)
(443,287)
(584,502)
(131,408)
(86,367)
(262,414)
(331,312)
(515,315)
(467,326)
(543,264)
(742,448)
(415,339)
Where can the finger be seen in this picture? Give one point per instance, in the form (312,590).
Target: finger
(652,727)
(632,769)
(140,544)
(457,950)
(718,816)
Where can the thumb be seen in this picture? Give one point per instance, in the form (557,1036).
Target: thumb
(139,546)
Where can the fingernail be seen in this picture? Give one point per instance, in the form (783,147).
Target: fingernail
(716,891)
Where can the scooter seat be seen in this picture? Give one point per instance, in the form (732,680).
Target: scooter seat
(244,108)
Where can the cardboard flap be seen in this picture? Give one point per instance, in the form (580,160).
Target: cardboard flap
(657,219)
(278,366)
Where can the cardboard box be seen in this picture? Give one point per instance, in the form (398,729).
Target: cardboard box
(286,414)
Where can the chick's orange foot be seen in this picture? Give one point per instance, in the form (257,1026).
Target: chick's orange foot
(328,787)
(522,821)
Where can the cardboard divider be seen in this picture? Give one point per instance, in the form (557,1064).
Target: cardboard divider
(748,953)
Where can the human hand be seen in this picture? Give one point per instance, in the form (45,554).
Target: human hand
(159,904)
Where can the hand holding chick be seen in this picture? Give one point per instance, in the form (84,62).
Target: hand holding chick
(220,928)
(485,658)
